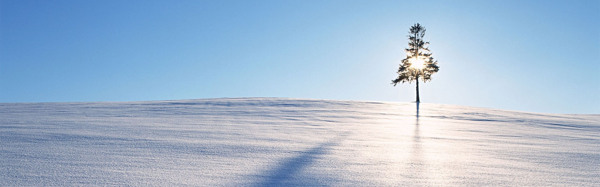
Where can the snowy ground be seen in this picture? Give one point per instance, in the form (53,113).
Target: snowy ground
(275,142)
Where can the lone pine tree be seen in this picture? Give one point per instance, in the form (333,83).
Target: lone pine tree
(418,62)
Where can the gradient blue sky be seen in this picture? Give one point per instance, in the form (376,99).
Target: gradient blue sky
(538,56)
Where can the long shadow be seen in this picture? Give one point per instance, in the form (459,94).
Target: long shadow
(417,134)
(417,113)
(292,166)
(417,163)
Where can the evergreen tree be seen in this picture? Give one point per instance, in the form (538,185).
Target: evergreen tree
(418,62)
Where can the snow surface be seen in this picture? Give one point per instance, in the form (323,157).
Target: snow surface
(282,142)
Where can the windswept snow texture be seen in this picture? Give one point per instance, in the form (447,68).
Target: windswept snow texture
(284,142)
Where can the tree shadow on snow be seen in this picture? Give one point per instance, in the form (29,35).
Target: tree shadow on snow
(285,173)
(416,163)
(417,113)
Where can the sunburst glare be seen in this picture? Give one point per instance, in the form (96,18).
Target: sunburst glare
(417,63)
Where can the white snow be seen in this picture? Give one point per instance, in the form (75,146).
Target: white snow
(283,142)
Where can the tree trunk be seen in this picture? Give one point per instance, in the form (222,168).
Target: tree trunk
(417,57)
(418,100)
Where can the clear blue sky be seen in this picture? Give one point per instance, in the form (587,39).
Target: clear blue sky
(538,56)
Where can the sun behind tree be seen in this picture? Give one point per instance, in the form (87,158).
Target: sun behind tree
(418,62)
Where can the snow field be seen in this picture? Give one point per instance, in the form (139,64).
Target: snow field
(299,142)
